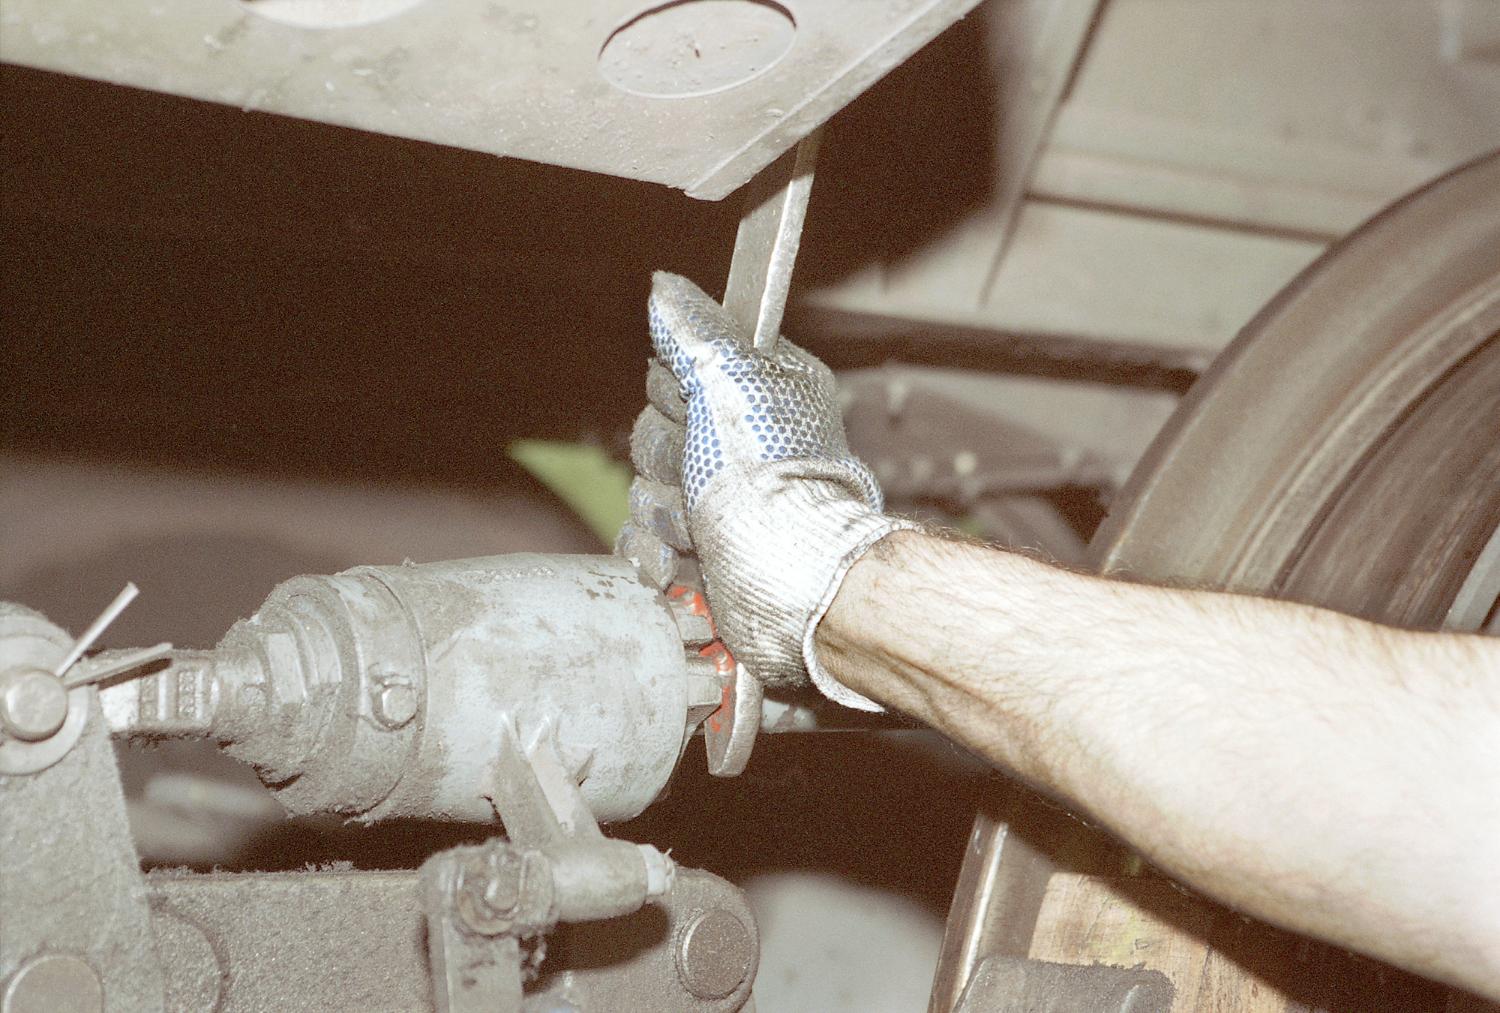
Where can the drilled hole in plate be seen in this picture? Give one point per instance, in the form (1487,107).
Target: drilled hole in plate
(327,13)
(696,47)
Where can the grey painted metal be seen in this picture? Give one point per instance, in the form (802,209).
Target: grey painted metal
(474,969)
(70,881)
(1013,983)
(343,940)
(642,970)
(715,952)
(765,246)
(995,906)
(555,865)
(530,80)
(314,941)
(30,644)
(53,983)
(33,704)
(309,690)
(107,665)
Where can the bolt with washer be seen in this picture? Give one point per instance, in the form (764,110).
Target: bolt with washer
(394,701)
(33,704)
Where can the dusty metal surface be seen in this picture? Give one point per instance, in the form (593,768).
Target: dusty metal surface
(308,691)
(995,905)
(315,940)
(70,881)
(324,940)
(1037,986)
(1344,352)
(766,243)
(699,95)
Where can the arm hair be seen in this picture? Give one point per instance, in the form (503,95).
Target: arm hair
(1326,774)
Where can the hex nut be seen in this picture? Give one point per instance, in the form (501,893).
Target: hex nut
(714,954)
(53,983)
(394,702)
(33,704)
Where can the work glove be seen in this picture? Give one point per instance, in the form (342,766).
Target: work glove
(741,458)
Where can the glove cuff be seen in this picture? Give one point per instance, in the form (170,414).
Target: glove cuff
(825,682)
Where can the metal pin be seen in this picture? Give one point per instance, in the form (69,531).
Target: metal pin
(109,615)
(102,668)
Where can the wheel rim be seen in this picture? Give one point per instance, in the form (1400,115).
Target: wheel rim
(1345,450)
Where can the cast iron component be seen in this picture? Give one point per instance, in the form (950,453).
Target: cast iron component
(212,931)
(715,952)
(1372,378)
(554,866)
(33,735)
(74,924)
(33,704)
(375,692)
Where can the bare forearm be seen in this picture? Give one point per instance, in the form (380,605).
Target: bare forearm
(1321,772)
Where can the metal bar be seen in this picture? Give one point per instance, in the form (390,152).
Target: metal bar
(847,339)
(995,903)
(765,248)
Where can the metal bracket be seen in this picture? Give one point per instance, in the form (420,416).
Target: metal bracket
(555,866)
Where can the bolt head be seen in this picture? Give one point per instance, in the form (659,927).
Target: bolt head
(714,954)
(33,704)
(395,703)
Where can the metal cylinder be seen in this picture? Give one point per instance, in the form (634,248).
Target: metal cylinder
(378,692)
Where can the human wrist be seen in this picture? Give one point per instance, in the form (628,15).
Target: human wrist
(849,639)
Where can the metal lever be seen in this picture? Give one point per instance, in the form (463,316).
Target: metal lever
(765,248)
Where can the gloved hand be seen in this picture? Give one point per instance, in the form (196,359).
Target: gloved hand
(760,484)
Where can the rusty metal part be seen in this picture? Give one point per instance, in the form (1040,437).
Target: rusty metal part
(765,247)
(696,95)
